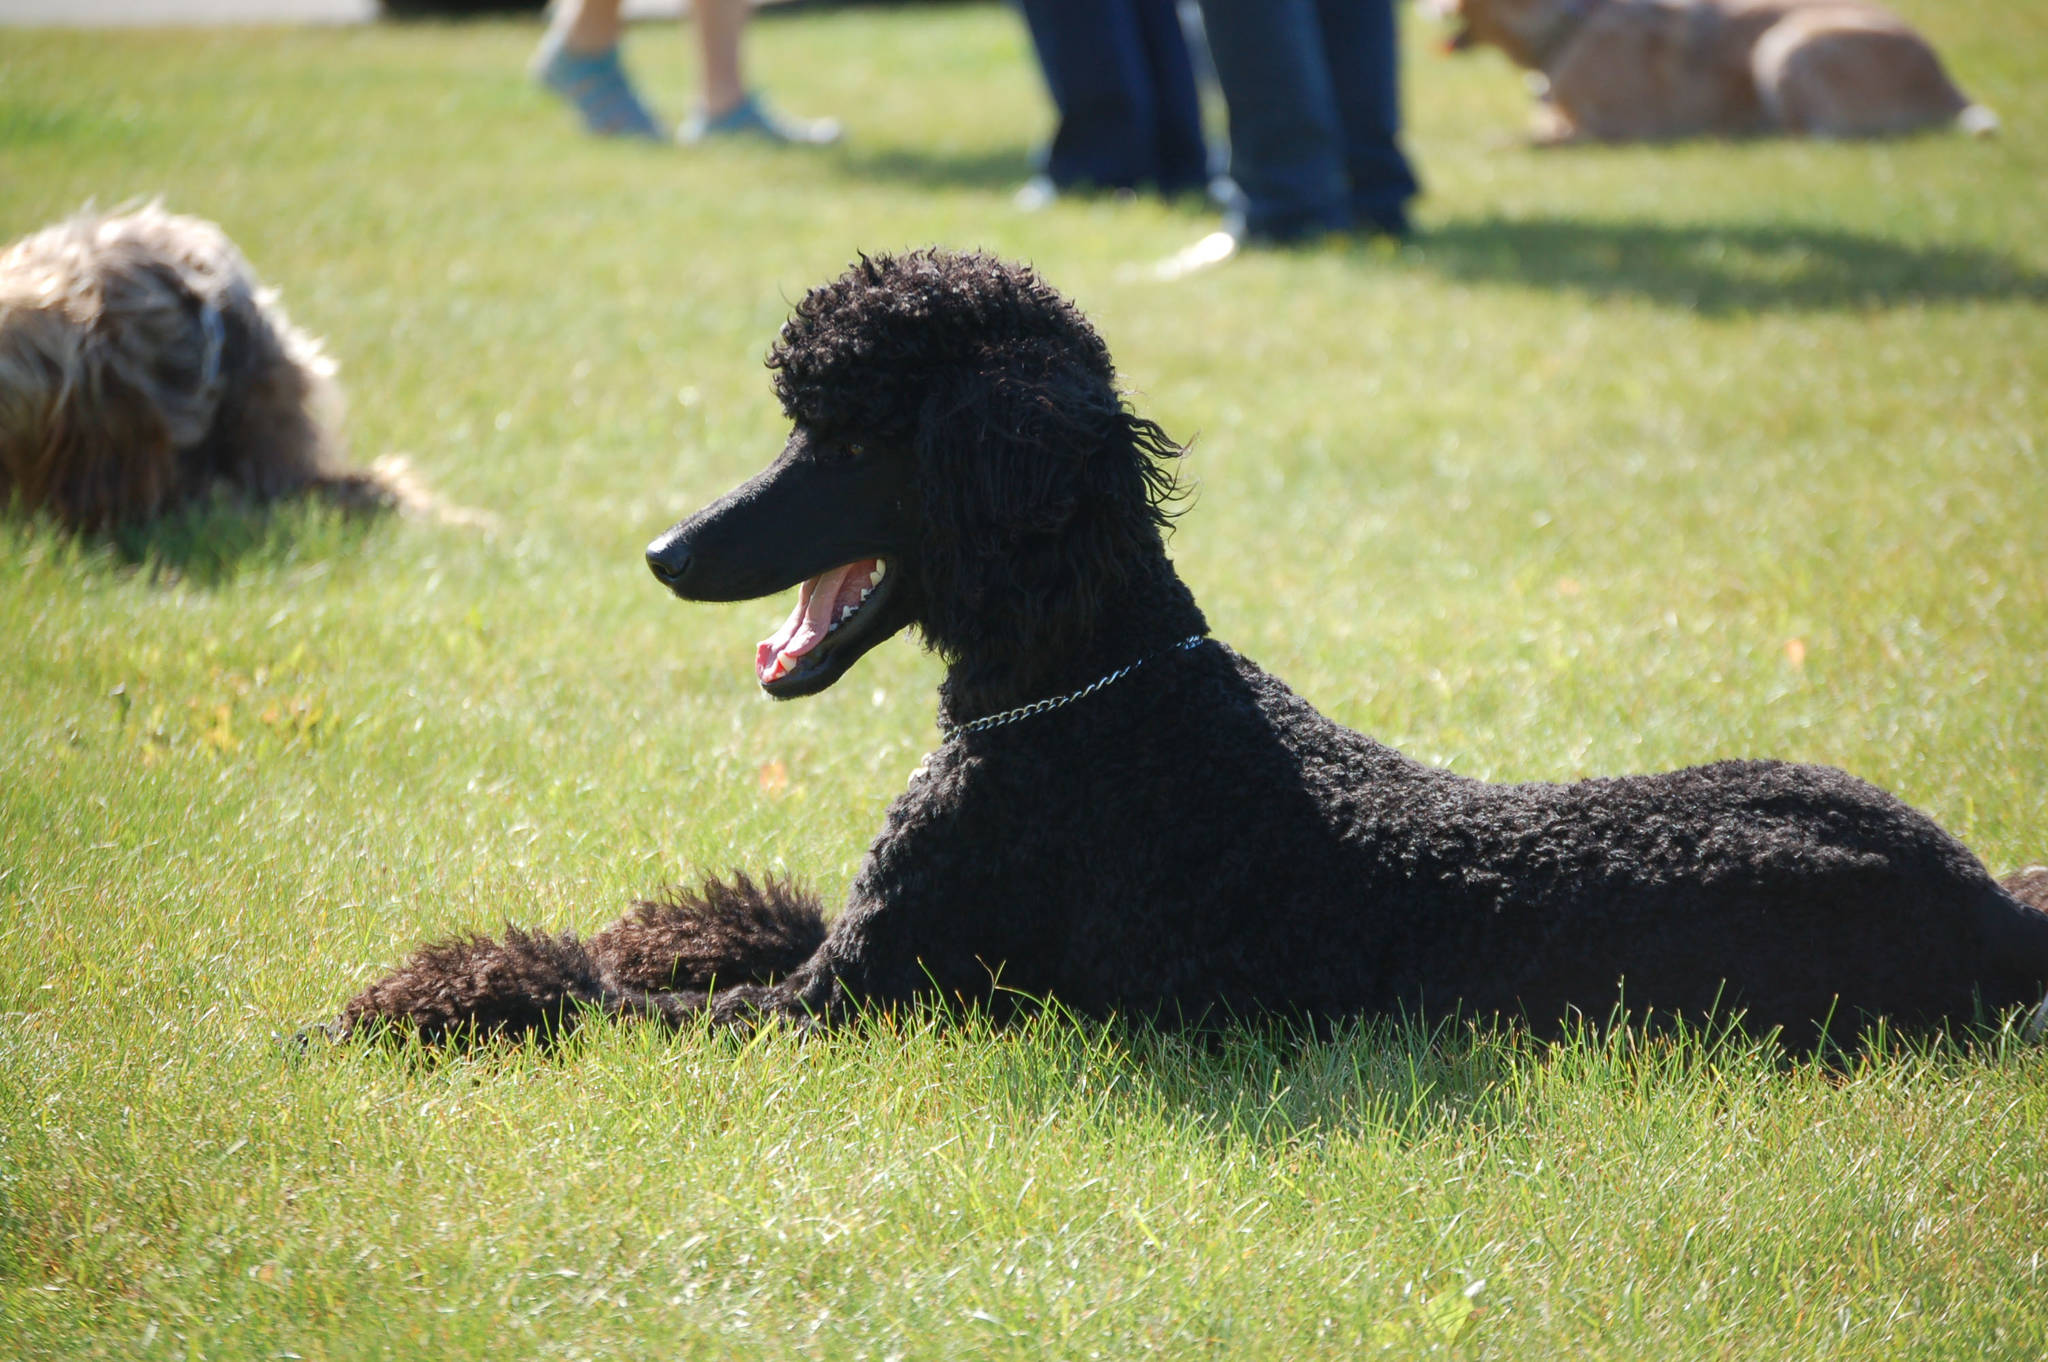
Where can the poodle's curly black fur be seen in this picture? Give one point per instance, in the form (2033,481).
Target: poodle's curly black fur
(1192,840)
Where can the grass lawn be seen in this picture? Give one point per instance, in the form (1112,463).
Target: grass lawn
(1636,458)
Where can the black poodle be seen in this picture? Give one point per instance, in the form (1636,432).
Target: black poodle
(1132,818)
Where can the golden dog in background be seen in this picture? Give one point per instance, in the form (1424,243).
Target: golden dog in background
(142,366)
(1650,70)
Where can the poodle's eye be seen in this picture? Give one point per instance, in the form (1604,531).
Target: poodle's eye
(856,450)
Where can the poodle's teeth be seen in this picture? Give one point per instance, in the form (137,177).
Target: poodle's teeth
(847,613)
(875,577)
(866,592)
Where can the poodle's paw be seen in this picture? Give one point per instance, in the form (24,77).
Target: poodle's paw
(720,935)
(471,988)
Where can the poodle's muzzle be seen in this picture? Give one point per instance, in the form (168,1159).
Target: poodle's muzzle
(834,515)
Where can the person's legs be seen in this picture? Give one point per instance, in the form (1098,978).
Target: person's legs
(719,24)
(1182,156)
(1360,41)
(579,60)
(1285,142)
(586,27)
(1101,84)
(727,108)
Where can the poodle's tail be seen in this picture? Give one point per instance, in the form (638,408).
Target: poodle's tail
(657,962)
(2027,937)
(721,934)
(469,988)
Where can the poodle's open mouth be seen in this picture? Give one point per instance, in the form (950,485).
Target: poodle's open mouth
(832,609)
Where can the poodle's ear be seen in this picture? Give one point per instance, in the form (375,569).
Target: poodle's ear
(994,456)
(1035,500)
(997,487)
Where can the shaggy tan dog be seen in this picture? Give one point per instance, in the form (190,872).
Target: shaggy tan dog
(1647,70)
(142,365)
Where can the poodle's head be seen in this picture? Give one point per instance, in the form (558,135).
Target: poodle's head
(960,461)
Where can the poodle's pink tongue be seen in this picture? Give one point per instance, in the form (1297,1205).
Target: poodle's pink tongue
(823,599)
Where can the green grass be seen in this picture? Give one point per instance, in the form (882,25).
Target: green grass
(1551,492)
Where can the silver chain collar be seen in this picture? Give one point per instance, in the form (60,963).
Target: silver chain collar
(1011,716)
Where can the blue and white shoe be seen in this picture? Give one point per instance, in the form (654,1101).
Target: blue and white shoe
(595,83)
(752,118)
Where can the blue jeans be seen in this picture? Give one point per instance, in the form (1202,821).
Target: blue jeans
(1121,78)
(1315,114)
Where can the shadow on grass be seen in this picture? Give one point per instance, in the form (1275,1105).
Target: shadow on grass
(1262,1084)
(995,169)
(209,544)
(1724,269)
(1409,1081)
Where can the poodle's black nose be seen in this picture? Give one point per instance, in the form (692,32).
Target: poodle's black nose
(669,558)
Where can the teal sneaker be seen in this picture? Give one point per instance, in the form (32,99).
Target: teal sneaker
(595,83)
(751,118)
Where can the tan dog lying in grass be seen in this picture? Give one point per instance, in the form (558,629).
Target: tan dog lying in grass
(1651,70)
(143,367)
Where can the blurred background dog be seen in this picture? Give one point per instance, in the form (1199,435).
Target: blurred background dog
(1646,70)
(142,366)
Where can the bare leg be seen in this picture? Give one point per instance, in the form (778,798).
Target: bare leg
(587,26)
(726,108)
(579,60)
(719,23)
(592,26)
